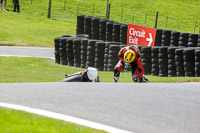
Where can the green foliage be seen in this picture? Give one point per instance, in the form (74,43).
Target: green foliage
(31,26)
(13,121)
(15,69)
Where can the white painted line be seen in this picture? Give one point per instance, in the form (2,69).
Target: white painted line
(192,82)
(26,56)
(64,117)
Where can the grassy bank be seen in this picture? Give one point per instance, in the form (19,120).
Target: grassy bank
(13,121)
(15,70)
(31,26)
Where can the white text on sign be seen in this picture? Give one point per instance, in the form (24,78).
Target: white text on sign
(135,33)
(140,35)
(133,40)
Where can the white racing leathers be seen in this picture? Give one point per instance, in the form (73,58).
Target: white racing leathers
(90,75)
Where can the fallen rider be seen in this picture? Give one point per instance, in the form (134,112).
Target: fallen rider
(90,75)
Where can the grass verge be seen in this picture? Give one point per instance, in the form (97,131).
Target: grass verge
(13,121)
(31,26)
(27,69)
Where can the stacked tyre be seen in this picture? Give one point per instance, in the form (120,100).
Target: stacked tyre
(102,29)
(197,62)
(189,61)
(69,50)
(109,31)
(154,61)
(171,62)
(84,44)
(57,52)
(179,62)
(106,53)
(91,53)
(87,25)
(80,24)
(192,40)
(174,38)
(183,39)
(95,28)
(116,32)
(99,55)
(198,44)
(113,56)
(163,61)
(158,38)
(123,33)
(77,52)
(146,59)
(63,54)
(166,36)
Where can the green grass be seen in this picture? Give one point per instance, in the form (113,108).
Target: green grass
(13,121)
(32,28)
(26,69)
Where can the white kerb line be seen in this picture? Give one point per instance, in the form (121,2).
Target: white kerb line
(64,117)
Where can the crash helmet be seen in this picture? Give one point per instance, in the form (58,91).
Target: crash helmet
(92,73)
(129,56)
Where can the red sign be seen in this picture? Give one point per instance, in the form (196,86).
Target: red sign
(140,35)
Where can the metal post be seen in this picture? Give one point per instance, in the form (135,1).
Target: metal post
(195,26)
(77,10)
(109,6)
(122,12)
(178,27)
(156,20)
(64,4)
(49,10)
(133,19)
(93,9)
(166,21)
(146,18)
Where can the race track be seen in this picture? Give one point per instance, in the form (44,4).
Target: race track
(139,108)
(27,51)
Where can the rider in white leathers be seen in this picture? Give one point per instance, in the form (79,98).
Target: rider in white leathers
(90,75)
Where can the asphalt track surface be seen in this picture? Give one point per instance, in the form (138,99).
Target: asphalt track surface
(139,108)
(27,52)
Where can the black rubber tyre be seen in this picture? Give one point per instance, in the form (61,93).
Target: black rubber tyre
(154,60)
(163,49)
(90,58)
(154,49)
(180,74)
(171,50)
(146,55)
(163,56)
(146,49)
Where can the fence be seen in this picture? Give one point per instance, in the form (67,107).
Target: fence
(123,15)
(119,12)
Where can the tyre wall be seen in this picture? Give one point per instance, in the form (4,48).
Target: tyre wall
(98,41)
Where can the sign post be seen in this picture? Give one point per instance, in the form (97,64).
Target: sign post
(140,35)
